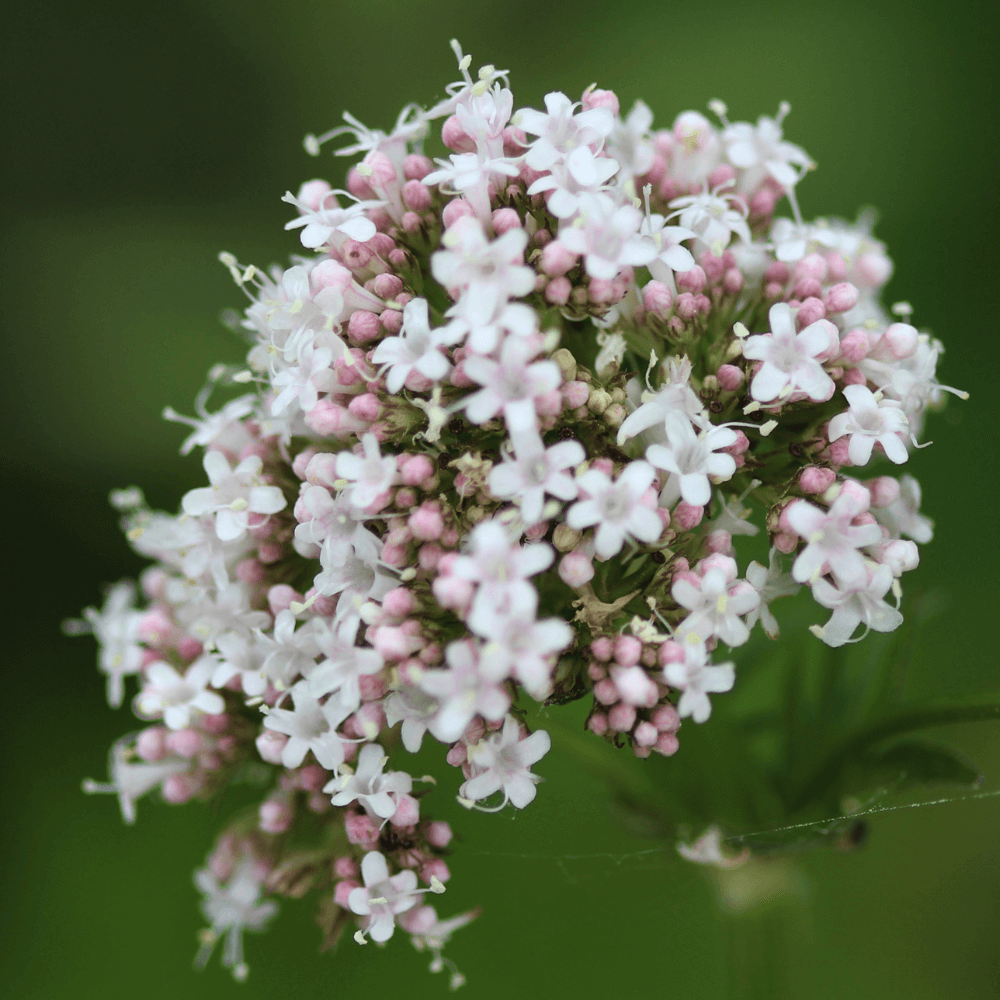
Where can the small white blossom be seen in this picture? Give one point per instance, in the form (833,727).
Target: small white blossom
(369,474)
(116,629)
(382,898)
(336,522)
(231,909)
(415,709)
(241,654)
(559,131)
(675,395)
(580,173)
(760,151)
(697,678)
(234,495)
(712,218)
(536,471)
(606,235)
(716,602)
(903,517)
(319,225)
(790,360)
(690,458)
(290,651)
(178,698)
(616,508)
(374,791)
(871,420)
(860,602)
(417,349)
(131,779)
(770,582)
(501,762)
(310,726)
(344,665)
(220,429)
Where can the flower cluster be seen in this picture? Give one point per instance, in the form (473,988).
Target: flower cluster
(510,410)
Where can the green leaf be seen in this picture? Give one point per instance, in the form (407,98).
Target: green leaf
(917,762)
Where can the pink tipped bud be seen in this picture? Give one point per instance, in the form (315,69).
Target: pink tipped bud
(812,309)
(732,281)
(504,220)
(575,394)
(576,569)
(456,209)
(730,377)
(602,648)
(407,811)
(627,650)
(416,167)
(361,830)
(557,291)
(605,692)
(438,834)
(363,326)
(812,266)
(151,744)
(185,743)
(841,298)
(634,686)
(601,99)
(276,814)
(777,273)
(178,789)
(719,541)
(346,868)
(556,259)
(814,479)
(621,717)
(270,745)
(854,345)
(666,719)
(598,723)
(901,340)
(785,542)
(365,407)
(687,306)
(646,734)
(416,470)
(435,868)
(667,744)
(426,522)
(342,892)
(417,197)
(693,280)
(685,516)
(657,299)
(399,602)
(884,490)
(455,137)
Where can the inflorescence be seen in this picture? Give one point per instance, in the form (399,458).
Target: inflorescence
(509,411)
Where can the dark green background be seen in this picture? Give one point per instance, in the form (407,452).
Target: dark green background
(142,138)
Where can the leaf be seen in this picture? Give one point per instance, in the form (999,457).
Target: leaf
(917,762)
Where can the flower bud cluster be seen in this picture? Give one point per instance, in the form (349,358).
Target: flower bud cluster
(511,412)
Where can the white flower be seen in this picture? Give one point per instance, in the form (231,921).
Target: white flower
(463,692)
(415,709)
(616,508)
(697,678)
(486,274)
(336,522)
(214,428)
(310,726)
(231,909)
(483,117)
(759,151)
(500,566)
(502,763)
(697,148)
(130,780)
(903,517)
(345,664)
(560,131)
(671,254)
(178,699)
(832,541)
(790,359)
(675,395)
(712,218)
(303,382)
(629,141)
(871,420)
(536,471)
(470,174)
(382,898)
(417,348)
(517,644)
(242,654)
(356,580)
(793,241)
(319,225)
(513,318)
(208,612)
(579,173)
(290,651)
(116,629)
(374,791)
(510,384)
(234,495)
(716,602)
(369,474)
(707,850)
(691,457)
(770,583)
(607,236)
(862,601)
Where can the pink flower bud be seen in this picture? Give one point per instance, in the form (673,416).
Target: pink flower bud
(657,299)
(438,834)
(387,286)
(346,867)
(455,137)
(504,220)
(685,516)
(811,310)
(576,569)
(667,744)
(361,830)
(884,490)
(621,718)
(777,272)
(280,597)
(732,281)
(627,650)
(189,648)
(693,280)
(151,744)
(900,339)
(575,394)
(814,479)
(556,259)
(598,723)
(666,719)
(719,541)
(178,789)
(785,542)
(417,197)
(557,291)
(276,814)
(730,377)
(416,470)
(841,298)
(185,743)
(342,892)
(416,167)
(435,868)
(605,692)
(399,602)
(811,266)
(634,686)
(602,648)
(456,209)
(601,99)
(407,811)
(686,306)
(645,734)
(363,326)
(270,745)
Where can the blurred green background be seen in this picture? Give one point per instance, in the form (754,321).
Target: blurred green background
(143,138)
